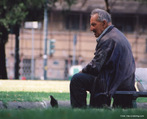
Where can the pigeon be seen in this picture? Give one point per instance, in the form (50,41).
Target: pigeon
(53,102)
(5,105)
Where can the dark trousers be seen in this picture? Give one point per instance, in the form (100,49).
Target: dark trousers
(82,82)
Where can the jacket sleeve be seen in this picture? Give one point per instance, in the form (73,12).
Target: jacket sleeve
(101,55)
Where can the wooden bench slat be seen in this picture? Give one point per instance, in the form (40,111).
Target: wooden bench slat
(134,93)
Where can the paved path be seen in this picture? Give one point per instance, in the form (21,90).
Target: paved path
(31,105)
(44,104)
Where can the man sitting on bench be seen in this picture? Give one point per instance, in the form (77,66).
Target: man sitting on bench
(112,68)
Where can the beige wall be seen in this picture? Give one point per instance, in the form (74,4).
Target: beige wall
(85,47)
(63,48)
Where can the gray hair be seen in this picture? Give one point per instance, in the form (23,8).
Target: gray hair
(102,15)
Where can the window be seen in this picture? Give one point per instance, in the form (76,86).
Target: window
(124,23)
(143,23)
(76,21)
(26,68)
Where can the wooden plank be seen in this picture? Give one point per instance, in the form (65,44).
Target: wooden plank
(134,93)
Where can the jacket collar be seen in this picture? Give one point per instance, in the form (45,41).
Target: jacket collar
(104,32)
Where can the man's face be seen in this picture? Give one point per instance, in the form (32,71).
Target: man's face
(96,26)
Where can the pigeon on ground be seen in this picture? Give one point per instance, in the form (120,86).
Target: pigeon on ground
(53,102)
(5,105)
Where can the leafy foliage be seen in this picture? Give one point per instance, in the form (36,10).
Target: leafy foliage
(12,13)
(17,14)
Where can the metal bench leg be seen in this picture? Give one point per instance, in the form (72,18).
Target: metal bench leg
(134,103)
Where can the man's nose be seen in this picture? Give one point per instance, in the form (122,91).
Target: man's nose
(91,28)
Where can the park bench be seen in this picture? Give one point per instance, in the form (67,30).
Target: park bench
(135,95)
(141,78)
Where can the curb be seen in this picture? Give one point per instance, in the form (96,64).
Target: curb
(45,105)
(32,105)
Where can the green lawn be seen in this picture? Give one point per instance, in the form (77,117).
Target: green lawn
(20,90)
(34,86)
(33,90)
(31,96)
(36,90)
(64,113)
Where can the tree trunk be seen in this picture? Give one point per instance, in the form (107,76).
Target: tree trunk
(16,68)
(3,72)
(3,39)
(107,6)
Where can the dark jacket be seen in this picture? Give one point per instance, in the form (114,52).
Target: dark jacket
(113,63)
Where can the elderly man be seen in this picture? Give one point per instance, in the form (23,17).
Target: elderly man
(112,68)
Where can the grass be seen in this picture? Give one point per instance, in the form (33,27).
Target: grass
(19,90)
(36,90)
(34,86)
(33,90)
(31,96)
(64,113)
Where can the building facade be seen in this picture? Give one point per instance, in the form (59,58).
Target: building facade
(128,16)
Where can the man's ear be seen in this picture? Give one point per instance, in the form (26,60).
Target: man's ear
(105,24)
